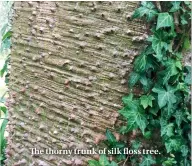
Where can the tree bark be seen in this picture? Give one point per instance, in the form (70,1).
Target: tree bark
(69,67)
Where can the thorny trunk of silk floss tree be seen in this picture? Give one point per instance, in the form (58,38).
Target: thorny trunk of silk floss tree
(69,67)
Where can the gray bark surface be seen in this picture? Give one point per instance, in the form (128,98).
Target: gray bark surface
(69,67)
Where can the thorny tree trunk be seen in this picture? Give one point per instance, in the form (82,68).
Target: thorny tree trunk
(69,66)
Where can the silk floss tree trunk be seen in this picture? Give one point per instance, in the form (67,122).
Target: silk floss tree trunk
(69,67)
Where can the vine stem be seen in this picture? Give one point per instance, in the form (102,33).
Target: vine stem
(181,41)
(125,161)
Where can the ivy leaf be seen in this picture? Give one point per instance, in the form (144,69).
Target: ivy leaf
(135,144)
(131,122)
(125,129)
(146,82)
(113,163)
(128,100)
(184,150)
(164,20)
(136,117)
(133,79)
(169,162)
(110,137)
(173,144)
(147,161)
(147,9)
(93,163)
(121,157)
(186,43)
(165,96)
(103,161)
(158,43)
(183,20)
(167,130)
(154,110)
(188,79)
(144,62)
(183,87)
(147,135)
(172,67)
(140,63)
(178,117)
(146,100)
(176,6)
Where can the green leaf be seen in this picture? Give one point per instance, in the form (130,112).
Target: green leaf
(2,130)
(176,6)
(125,129)
(147,135)
(169,162)
(159,43)
(133,78)
(7,35)
(172,67)
(93,163)
(154,110)
(131,122)
(184,150)
(183,20)
(167,130)
(147,161)
(113,163)
(119,145)
(110,137)
(146,100)
(121,157)
(128,99)
(4,69)
(186,43)
(140,63)
(164,20)
(103,161)
(188,79)
(144,80)
(146,83)
(135,115)
(147,9)
(135,144)
(178,117)
(4,109)
(165,96)
(173,144)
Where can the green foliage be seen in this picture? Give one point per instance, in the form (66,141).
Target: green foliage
(5,43)
(159,67)
(134,113)
(147,9)
(3,141)
(164,104)
(112,143)
(164,20)
(7,35)
(147,161)
(103,161)
(146,101)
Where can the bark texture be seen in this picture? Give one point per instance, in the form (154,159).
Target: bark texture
(69,66)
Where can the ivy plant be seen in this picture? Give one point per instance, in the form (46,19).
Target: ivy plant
(162,109)
(103,161)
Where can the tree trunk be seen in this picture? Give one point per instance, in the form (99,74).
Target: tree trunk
(69,67)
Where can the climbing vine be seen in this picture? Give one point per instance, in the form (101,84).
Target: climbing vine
(159,117)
